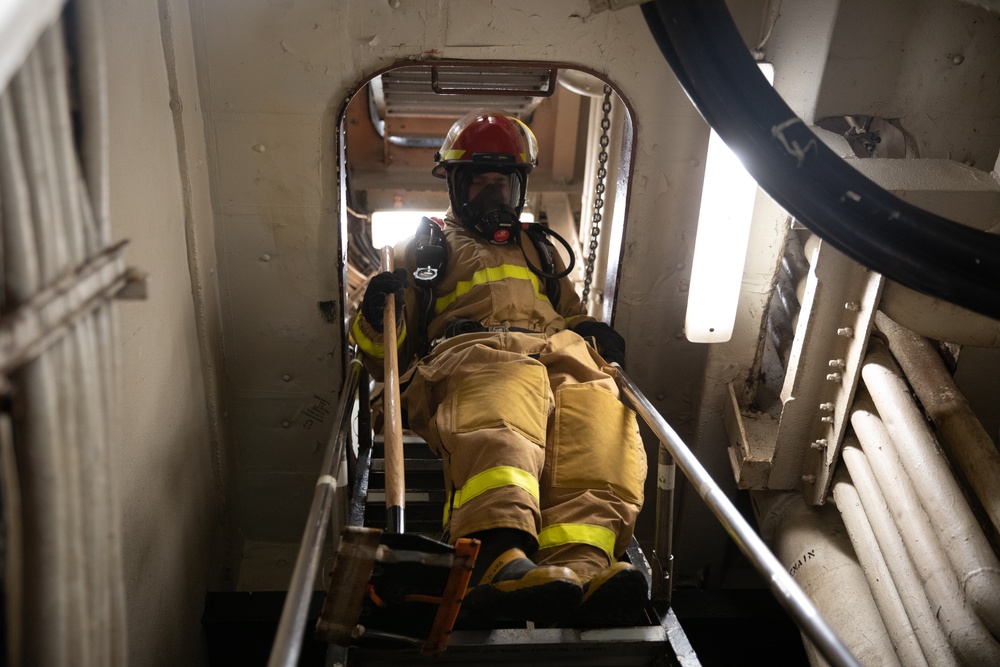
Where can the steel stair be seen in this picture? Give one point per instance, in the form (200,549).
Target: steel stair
(660,640)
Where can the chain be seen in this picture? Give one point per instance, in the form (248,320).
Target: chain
(599,187)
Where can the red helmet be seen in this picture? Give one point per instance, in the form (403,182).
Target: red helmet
(487,137)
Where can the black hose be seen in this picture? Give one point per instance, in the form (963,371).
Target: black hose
(923,251)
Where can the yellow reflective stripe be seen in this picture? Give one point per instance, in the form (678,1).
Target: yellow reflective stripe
(489,275)
(367,345)
(493,478)
(453,154)
(559,534)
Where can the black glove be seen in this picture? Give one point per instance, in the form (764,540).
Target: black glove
(373,304)
(609,342)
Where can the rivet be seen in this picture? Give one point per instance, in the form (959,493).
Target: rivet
(265,257)
(819,443)
(826,407)
(958,60)
(260,148)
(828,419)
(853,306)
(660,397)
(809,479)
(836,363)
(394,4)
(846,332)
(834,377)
(286,378)
(286,424)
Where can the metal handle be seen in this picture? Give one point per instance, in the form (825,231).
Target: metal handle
(788,593)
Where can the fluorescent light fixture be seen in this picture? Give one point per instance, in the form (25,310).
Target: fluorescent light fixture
(720,246)
(393,225)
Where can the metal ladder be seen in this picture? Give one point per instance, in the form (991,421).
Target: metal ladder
(660,640)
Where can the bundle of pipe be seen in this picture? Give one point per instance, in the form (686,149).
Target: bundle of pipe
(931,568)
(65,603)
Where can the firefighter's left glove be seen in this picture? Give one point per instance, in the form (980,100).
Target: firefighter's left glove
(609,342)
(373,303)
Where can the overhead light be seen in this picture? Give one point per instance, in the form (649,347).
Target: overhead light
(391,226)
(720,247)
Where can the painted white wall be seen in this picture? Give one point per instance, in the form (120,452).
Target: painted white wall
(165,459)
(273,74)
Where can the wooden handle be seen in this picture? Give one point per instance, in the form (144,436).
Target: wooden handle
(395,482)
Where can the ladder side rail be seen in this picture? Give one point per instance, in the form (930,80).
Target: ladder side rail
(787,592)
(288,640)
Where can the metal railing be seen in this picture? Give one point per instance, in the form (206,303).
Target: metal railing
(288,640)
(788,593)
(287,646)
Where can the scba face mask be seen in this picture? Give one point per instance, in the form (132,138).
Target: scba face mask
(494,207)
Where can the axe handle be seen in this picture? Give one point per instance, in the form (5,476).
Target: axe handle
(395,483)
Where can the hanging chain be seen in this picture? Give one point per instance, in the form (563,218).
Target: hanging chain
(599,187)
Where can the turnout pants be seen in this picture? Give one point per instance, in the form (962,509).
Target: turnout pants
(533,437)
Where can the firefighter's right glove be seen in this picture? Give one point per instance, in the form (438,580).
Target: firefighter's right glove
(609,342)
(373,303)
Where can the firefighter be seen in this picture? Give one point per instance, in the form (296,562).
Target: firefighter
(510,382)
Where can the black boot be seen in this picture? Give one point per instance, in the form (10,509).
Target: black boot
(615,597)
(507,585)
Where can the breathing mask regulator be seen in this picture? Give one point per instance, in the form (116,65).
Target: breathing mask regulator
(486,157)
(488,200)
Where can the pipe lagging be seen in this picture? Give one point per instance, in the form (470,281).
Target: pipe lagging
(959,431)
(787,592)
(287,641)
(810,541)
(964,629)
(940,495)
(894,580)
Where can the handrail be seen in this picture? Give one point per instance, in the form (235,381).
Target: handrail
(288,640)
(788,593)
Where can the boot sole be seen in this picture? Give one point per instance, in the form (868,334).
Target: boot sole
(543,603)
(619,602)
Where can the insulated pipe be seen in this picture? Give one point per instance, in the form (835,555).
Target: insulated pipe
(938,319)
(965,631)
(958,429)
(813,545)
(785,590)
(48,536)
(893,578)
(93,86)
(94,205)
(940,495)
(84,588)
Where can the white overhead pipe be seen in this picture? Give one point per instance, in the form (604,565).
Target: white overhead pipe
(940,495)
(958,429)
(813,546)
(47,536)
(938,319)
(965,631)
(895,584)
